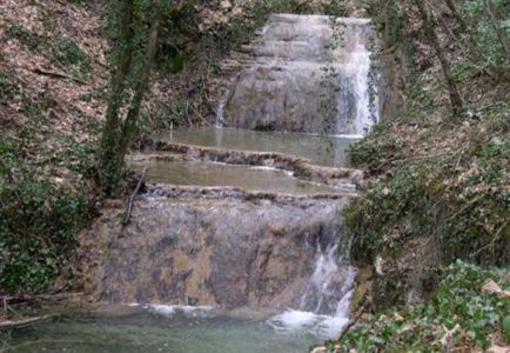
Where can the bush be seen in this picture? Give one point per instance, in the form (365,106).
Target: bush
(38,223)
(69,55)
(458,307)
(464,210)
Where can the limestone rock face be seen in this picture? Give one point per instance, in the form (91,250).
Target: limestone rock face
(213,250)
(309,74)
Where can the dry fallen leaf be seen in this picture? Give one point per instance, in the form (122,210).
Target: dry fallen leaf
(499,349)
(492,287)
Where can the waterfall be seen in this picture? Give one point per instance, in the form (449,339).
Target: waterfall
(363,119)
(220,119)
(359,107)
(299,64)
(325,304)
(227,228)
(219,115)
(328,285)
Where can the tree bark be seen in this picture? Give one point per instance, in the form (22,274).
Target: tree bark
(142,82)
(457,105)
(108,158)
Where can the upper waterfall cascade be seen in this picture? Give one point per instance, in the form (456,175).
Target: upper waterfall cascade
(309,73)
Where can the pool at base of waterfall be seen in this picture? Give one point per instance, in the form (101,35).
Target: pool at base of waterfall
(324,150)
(196,173)
(160,328)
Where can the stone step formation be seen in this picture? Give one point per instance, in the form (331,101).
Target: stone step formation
(251,216)
(308,74)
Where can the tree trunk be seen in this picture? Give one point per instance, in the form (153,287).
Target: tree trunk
(142,82)
(108,158)
(134,52)
(429,24)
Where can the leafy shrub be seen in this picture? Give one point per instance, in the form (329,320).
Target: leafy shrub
(38,223)
(69,55)
(458,309)
(467,215)
(505,328)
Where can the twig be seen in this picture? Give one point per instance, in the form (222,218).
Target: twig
(493,240)
(6,311)
(42,297)
(129,209)
(57,75)
(9,325)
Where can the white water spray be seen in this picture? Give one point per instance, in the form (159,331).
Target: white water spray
(325,305)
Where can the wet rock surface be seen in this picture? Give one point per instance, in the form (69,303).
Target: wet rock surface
(298,62)
(227,249)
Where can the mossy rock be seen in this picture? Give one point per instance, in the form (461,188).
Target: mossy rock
(363,287)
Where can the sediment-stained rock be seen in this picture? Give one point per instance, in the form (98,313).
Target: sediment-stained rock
(211,246)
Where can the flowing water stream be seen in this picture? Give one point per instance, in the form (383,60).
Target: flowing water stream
(237,242)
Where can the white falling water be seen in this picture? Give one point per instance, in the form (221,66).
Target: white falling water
(354,64)
(363,119)
(325,305)
(287,86)
(220,119)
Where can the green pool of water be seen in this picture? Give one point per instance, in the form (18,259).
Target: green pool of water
(148,333)
(322,150)
(216,174)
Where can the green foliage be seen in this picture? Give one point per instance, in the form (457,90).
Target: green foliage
(467,216)
(335,8)
(166,117)
(377,149)
(171,64)
(63,52)
(69,55)
(391,21)
(484,33)
(458,307)
(7,88)
(505,328)
(31,40)
(38,223)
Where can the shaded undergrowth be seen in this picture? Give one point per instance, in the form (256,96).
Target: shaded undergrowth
(458,315)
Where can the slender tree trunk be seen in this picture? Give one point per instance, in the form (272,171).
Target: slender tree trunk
(134,49)
(429,24)
(108,161)
(142,82)
(500,33)
(120,72)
